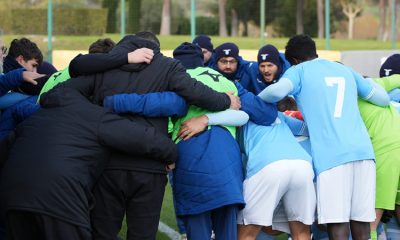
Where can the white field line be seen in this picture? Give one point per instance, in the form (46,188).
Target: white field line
(171,233)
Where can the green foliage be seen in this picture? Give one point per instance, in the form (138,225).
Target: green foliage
(204,25)
(285,22)
(251,12)
(151,19)
(133,24)
(180,26)
(66,21)
(207,25)
(5,22)
(112,6)
(29,21)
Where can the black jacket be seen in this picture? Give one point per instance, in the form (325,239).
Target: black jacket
(163,74)
(60,151)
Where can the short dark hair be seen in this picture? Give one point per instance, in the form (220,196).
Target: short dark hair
(301,48)
(25,48)
(287,103)
(102,45)
(148,36)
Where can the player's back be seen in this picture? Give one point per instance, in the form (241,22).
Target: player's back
(327,96)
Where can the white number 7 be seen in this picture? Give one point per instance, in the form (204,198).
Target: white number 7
(330,82)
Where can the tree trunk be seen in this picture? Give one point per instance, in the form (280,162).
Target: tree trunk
(112,6)
(382,20)
(234,23)
(165,28)
(299,17)
(134,16)
(351,26)
(246,28)
(223,32)
(350,10)
(395,15)
(321,21)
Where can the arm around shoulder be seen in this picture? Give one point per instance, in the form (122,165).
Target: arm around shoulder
(136,139)
(276,91)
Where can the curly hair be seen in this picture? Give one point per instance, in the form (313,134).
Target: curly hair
(300,48)
(25,48)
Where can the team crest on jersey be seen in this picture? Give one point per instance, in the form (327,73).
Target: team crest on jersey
(264,56)
(227,51)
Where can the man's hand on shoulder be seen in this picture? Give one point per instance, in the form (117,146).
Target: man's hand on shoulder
(235,101)
(141,55)
(193,126)
(31,76)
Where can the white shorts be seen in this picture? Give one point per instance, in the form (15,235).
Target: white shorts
(288,180)
(347,192)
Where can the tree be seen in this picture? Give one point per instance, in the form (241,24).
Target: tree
(299,17)
(234,23)
(351,9)
(320,16)
(223,31)
(166,18)
(382,20)
(134,16)
(112,6)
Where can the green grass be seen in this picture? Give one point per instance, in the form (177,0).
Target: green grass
(171,42)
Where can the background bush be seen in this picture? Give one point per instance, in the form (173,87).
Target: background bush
(66,21)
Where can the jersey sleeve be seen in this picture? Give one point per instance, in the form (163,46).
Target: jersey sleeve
(389,83)
(158,104)
(364,88)
(293,75)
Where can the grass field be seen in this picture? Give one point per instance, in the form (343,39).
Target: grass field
(171,42)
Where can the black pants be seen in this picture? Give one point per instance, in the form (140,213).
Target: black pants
(23,225)
(139,195)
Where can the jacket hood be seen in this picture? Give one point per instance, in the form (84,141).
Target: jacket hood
(61,96)
(131,43)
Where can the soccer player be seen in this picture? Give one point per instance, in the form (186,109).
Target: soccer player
(274,174)
(207,48)
(231,65)
(326,93)
(270,66)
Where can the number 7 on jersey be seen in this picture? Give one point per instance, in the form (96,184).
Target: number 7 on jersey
(341,83)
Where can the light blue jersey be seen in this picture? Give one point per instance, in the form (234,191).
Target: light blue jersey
(326,92)
(263,145)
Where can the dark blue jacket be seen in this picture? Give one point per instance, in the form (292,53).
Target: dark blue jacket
(160,104)
(10,80)
(15,114)
(242,74)
(257,83)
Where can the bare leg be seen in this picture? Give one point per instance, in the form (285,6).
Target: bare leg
(360,230)
(299,230)
(248,232)
(338,231)
(374,225)
(268,230)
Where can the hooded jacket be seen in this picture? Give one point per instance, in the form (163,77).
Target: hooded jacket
(60,151)
(163,74)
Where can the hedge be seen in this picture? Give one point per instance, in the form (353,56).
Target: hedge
(65,21)
(204,25)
